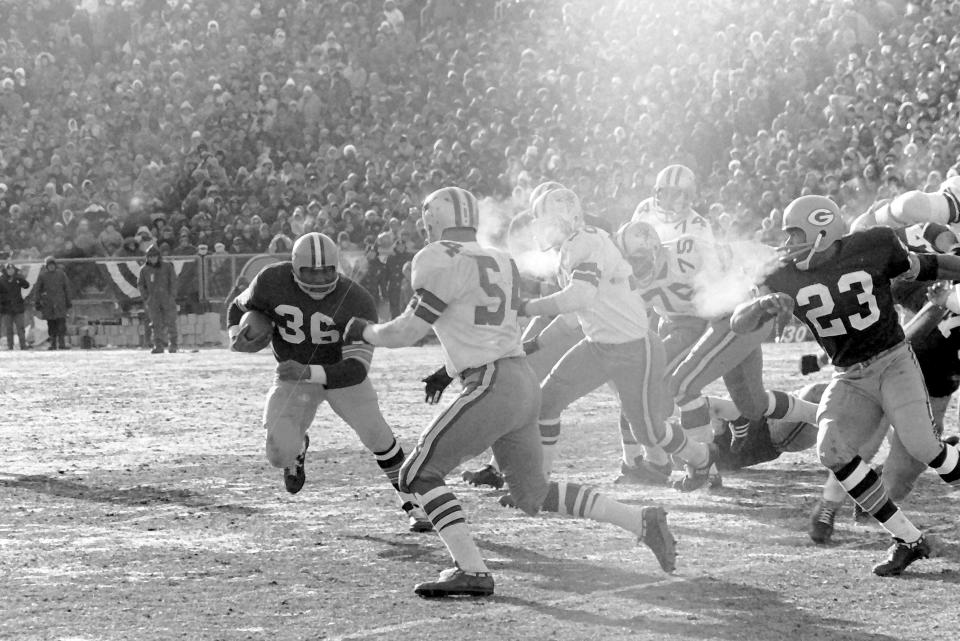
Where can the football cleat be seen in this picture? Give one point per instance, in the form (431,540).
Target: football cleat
(507,501)
(953,439)
(642,472)
(486,475)
(418,520)
(295,477)
(901,555)
(821,520)
(655,534)
(695,478)
(455,582)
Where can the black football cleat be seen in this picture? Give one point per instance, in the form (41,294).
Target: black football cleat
(294,478)
(486,475)
(695,478)
(655,534)
(821,520)
(456,582)
(901,555)
(642,472)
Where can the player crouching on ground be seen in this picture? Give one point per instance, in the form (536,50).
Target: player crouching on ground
(840,287)
(310,305)
(468,295)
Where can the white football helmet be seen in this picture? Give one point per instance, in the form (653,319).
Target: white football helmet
(557,214)
(449,208)
(315,258)
(543,188)
(641,246)
(674,192)
(812,224)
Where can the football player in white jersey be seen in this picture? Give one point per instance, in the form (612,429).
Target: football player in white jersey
(670,210)
(669,277)
(617,346)
(545,339)
(468,295)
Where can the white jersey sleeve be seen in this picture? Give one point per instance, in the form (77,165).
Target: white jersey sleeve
(470,294)
(617,314)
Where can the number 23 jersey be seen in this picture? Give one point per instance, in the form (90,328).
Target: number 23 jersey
(470,294)
(307,330)
(847,302)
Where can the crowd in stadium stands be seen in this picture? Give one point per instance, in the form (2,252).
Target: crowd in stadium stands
(240,124)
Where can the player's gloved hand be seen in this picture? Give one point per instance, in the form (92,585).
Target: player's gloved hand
(938,292)
(776,305)
(239,341)
(435,384)
(353,332)
(531,345)
(293,371)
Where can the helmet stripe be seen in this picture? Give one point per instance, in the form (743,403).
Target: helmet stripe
(457,213)
(316,247)
(674,178)
(473,219)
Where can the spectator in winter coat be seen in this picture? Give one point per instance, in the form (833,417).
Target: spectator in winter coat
(11,304)
(54,301)
(158,288)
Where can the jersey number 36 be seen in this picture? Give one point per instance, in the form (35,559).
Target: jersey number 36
(322,327)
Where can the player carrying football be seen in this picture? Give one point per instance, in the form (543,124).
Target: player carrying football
(310,305)
(840,287)
(468,295)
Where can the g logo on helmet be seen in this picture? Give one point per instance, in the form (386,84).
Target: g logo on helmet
(821,217)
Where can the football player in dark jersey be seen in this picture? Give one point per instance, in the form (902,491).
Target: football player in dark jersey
(840,287)
(310,304)
(934,336)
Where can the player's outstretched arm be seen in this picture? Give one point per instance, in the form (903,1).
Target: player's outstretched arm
(404,330)
(577,295)
(749,316)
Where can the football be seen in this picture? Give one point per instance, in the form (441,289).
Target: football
(257,329)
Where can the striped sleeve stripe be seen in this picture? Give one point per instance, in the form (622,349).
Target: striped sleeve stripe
(428,306)
(587,272)
(360,352)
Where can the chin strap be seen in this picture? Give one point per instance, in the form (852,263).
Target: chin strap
(804,265)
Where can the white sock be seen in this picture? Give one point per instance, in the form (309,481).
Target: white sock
(462,547)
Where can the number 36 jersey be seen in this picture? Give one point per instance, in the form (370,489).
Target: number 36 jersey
(847,302)
(306,330)
(470,294)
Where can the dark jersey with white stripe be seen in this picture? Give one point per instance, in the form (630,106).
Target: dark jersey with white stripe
(306,330)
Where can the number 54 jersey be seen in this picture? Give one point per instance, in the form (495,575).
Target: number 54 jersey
(847,303)
(470,294)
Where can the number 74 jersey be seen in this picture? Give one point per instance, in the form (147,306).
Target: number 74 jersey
(847,303)
(470,294)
